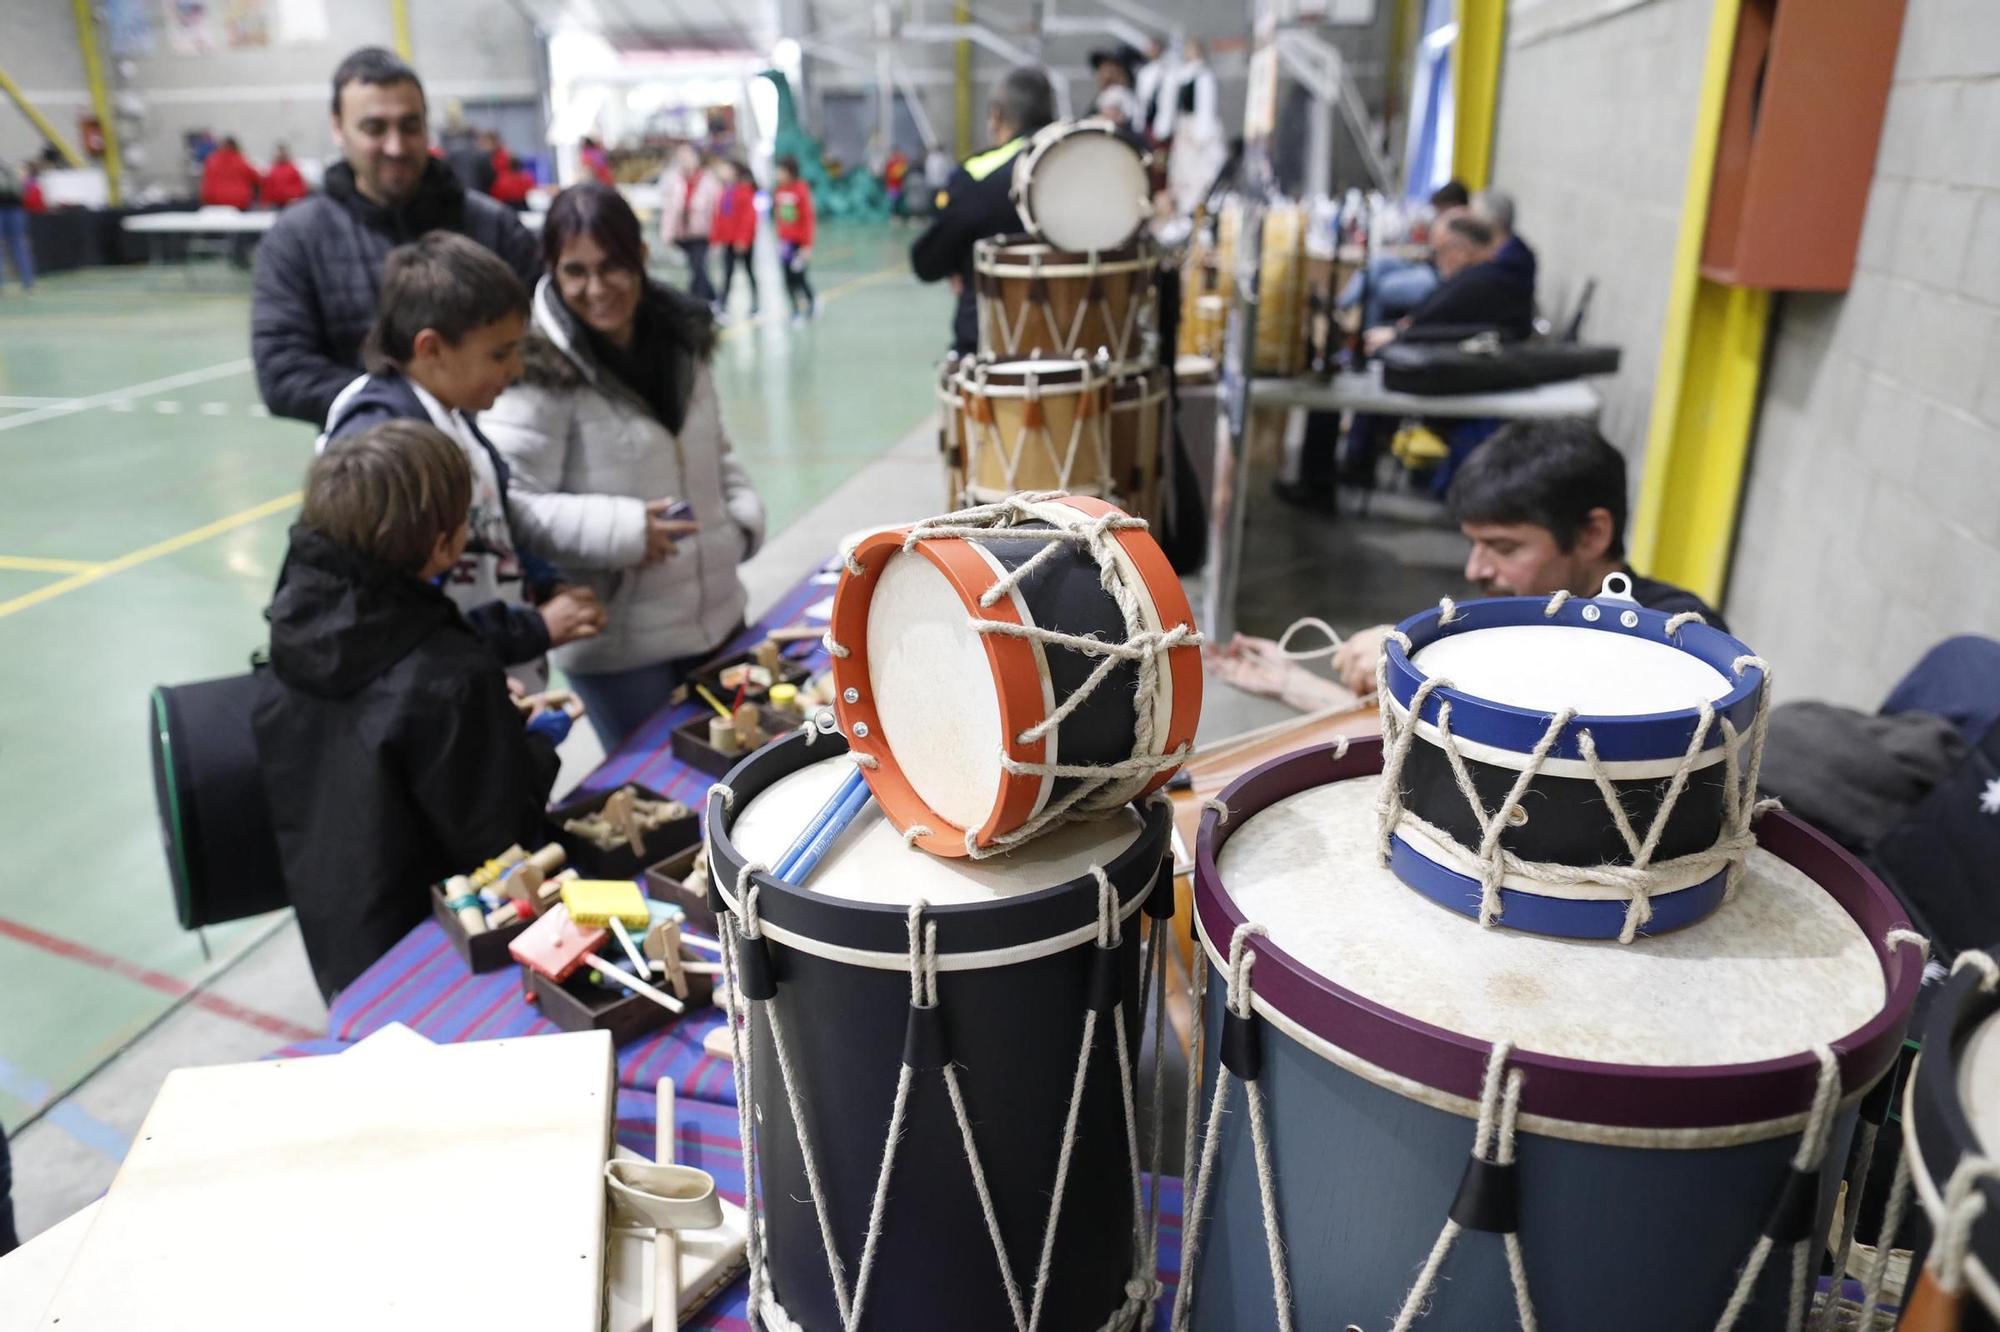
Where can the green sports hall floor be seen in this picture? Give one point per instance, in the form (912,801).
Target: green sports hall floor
(144,498)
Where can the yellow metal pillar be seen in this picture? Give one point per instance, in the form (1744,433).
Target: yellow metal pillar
(100,103)
(1476,88)
(1705,391)
(38,120)
(961,86)
(399,17)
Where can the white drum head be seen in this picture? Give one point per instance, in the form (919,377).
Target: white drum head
(1979,1083)
(1778,967)
(1088,191)
(871,863)
(934,690)
(1546,668)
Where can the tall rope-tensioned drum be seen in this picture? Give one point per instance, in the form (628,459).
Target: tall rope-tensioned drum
(938,1076)
(1082,186)
(1570,765)
(1037,301)
(1009,667)
(1951,1139)
(1031,426)
(1407,1120)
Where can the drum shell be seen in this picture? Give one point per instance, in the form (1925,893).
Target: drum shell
(1567,821)
(951,433)
(1613,1237)
(1012,1031)
(1137,436)
(1037,429)
(1037,301)
(1939,1134)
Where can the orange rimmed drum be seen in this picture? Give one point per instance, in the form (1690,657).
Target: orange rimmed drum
(1007,667)
(1033,426)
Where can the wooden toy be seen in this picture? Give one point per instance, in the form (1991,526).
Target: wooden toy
(626,818)
(556,946)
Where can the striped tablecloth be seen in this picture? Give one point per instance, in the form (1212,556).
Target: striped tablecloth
(647,755)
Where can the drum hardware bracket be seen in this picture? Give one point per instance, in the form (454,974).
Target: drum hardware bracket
(1160,902)
(1104,977)
(753,966)
(1793,1213)
(923,1039)
(1489,1197)
(1242,1053)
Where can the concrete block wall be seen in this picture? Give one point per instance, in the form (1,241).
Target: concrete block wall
(280,93)
(1871,519)
(1596,119)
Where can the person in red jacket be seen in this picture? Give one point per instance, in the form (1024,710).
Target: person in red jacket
(32,198)
(792,211)
(734,230)
(511,181)
(228,179)
(283,183)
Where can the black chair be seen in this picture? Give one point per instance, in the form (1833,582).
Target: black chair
(221,852)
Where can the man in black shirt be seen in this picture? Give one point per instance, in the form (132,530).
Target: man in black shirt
(975,203)
(1543,504)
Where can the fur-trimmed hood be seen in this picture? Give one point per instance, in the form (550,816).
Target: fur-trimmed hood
(558,355)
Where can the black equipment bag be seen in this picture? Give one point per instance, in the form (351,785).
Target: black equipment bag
(1486,365)
(221,852)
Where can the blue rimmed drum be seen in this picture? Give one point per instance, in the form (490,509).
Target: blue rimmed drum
(1405,1114)
(1581,767)
(1951,1146)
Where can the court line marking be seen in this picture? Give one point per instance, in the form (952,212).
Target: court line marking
(777,315)
(70,406)
(66,1114)
(172,986)
(147,554)
(47,564)
(19,400)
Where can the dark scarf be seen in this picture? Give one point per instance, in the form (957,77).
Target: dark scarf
(672,335)
(438,204)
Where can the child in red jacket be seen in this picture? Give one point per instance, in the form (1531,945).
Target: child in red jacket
(792,210)
(734,230)
(228,179)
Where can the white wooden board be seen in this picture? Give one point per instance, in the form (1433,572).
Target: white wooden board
(359,1193)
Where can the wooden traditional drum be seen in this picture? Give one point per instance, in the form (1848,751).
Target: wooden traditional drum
(1034,426)
(1578,766)
(938,1096)
(1138,436)
(1039,302)
(1002,669)
(1468,1130)
(951,431)
(1082,186)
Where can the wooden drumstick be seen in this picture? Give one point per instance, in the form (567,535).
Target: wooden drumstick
(666,1243)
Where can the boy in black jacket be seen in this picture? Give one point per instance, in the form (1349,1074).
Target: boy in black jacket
(446,343)
(393,756)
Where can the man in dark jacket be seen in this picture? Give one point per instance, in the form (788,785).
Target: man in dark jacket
(319,269)
(392,755)
(1481,290)
(975,203)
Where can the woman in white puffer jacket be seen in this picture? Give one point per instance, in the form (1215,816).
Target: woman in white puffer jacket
(613,428)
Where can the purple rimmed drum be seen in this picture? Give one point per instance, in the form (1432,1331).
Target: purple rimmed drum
(1625,1122)
(1611,748)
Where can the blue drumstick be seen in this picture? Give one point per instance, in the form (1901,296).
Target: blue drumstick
(828,832)
(842,794)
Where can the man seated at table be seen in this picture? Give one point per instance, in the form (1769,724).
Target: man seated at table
(1483,287)
(1543,504)
(1394,286)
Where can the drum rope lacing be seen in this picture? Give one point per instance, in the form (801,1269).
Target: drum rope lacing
(1862,1165)
(1010,339)
(1102,789)
(1961,1206)
(981,423)
(1807,1160)
(1237,997)
(1493,863)
(1499,1111)
(1141,1289)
